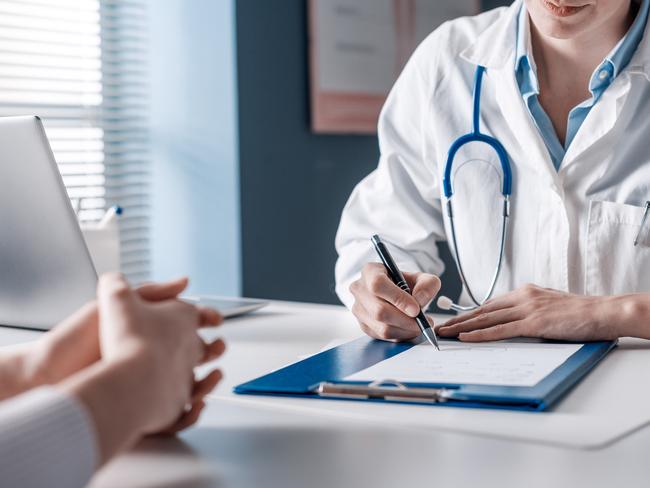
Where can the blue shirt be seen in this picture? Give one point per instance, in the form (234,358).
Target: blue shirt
(603,76)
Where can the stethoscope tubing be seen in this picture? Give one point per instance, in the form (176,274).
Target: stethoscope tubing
(459,265)
(477,136)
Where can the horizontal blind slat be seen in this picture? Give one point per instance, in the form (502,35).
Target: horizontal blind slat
(82,66)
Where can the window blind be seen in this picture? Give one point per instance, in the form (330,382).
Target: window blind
(81,65)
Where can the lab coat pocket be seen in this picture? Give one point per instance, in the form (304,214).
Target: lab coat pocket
(613,264)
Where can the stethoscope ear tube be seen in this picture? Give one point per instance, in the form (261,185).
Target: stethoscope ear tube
(477,136)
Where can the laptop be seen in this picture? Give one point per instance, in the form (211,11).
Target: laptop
(46,271)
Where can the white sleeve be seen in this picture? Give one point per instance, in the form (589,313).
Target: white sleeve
(46,440)
(400,200)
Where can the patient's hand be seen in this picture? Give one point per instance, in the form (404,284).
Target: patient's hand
(144,382)
(68,348)
(160,342)
(532,311)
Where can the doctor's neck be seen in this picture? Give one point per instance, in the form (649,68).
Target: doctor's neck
(572,37)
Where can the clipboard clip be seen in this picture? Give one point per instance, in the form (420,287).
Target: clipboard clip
(389,390)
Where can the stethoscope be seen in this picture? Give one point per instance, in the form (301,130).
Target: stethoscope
(476,136)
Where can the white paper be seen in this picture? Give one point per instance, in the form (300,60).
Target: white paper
(492,363)
(356,45)
(358,42)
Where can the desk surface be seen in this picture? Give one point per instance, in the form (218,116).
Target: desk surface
(249,445)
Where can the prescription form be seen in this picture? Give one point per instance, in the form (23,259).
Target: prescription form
(506,363)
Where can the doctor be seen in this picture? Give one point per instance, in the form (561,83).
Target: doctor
(559,94)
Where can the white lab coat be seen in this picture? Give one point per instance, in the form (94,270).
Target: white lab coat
(571,229)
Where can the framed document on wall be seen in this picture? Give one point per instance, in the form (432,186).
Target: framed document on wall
(357,49)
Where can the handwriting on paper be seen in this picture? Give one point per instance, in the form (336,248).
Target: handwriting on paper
(494,363)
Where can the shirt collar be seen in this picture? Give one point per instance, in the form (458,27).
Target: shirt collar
(612,65)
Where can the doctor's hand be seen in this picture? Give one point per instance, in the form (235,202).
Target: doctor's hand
(385,311)
(532,311)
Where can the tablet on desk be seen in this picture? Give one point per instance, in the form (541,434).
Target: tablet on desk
(227,306)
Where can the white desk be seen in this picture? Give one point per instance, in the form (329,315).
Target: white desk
(253,445)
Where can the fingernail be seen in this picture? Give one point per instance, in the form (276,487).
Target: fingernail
(412,310)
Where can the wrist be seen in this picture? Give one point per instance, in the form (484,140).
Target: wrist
(18,370)
(37,363)
(632,313)
(111,393)
(32,365)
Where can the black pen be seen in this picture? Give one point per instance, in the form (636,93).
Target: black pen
(398,278)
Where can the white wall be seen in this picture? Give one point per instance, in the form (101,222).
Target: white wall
(196,229)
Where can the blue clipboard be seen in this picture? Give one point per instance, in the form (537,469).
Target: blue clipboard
(321,376)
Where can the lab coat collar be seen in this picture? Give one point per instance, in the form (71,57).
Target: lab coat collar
(495,46)
(640,62)
(495,49)
(597,125)
(610,106)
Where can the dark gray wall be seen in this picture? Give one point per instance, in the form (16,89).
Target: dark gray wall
(488,4)
(294,184)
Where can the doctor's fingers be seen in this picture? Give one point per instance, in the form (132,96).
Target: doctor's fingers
(380,311)
(496,333)
(393,326)
(374,310)
(504,302)
(482,321)
(424,286)
(376,282)
(387,332)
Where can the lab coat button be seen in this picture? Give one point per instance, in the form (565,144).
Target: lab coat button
(603,75)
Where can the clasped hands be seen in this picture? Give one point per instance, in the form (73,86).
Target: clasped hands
(146,332)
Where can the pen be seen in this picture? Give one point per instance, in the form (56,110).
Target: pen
(645,217)
(110,216)
(398,278)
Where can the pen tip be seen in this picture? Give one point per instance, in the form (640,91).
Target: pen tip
(430,335)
